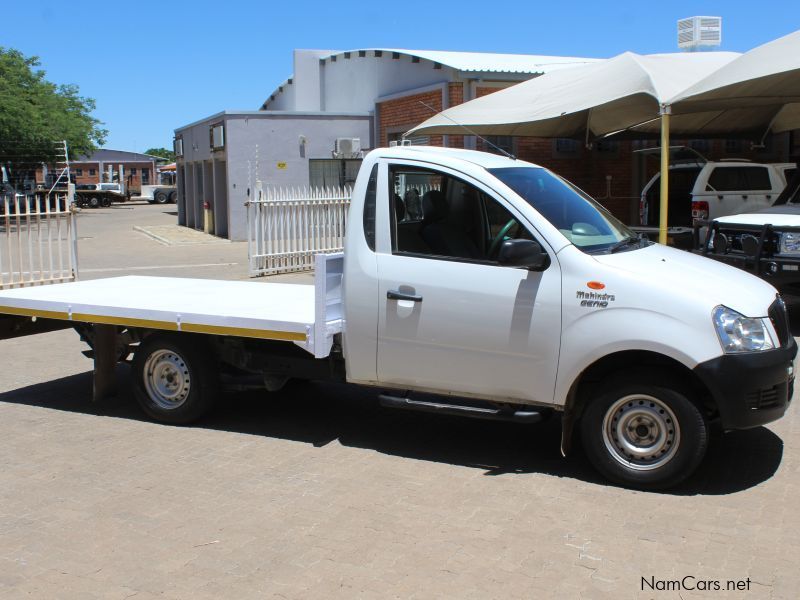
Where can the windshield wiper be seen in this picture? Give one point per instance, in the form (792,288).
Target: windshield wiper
(626,241)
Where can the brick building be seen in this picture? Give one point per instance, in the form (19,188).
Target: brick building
(104,165)
(376,95)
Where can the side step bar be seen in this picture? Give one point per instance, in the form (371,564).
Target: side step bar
(462,410)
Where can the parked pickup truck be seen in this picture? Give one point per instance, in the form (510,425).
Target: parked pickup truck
(706,190)
(510,295)
(765,242)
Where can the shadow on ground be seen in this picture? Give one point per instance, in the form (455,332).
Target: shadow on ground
(318,414)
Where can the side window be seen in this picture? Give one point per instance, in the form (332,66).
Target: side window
(757,178)
(437,215)
(369,208)
(729,179)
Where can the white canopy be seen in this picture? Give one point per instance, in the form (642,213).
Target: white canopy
(600,98)
(760,89)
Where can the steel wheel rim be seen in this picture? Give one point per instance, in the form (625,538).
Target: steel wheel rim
(167,379)
(641,432)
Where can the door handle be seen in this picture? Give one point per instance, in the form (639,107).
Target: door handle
(397,295)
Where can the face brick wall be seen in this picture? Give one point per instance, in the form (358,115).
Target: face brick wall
(406,112)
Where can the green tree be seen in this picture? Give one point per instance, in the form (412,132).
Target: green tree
(35,114)
(161,152)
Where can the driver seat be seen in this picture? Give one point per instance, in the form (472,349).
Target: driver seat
(440,232)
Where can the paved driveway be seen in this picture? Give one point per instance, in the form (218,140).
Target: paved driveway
(316,492)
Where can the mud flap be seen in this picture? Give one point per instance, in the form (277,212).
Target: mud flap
(105,362)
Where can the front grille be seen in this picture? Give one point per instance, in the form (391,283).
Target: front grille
(768,398)
(780,320)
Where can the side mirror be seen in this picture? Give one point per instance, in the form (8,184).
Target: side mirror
(523,253)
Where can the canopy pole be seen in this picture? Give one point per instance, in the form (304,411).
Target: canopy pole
(662,221)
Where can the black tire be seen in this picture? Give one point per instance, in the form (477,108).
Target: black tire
(643,435)
(174,378)
(95,202)
(106,202)
(161,197)
(173,197)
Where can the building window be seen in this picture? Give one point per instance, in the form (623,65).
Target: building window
(217,136)
(177,146)
(133,171)
(497,144)
(565,148)
(397,138)
(701,146)
(145,176)
(733,146)
(92,172)
(607,148)
(79,172)
(332,172)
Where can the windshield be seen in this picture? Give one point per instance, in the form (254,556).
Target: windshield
(576,215)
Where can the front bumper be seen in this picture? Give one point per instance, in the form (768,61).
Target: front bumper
(751,389)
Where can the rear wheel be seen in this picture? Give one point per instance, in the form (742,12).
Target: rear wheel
(175,380)
(161,197)
(173,197)
(643,435)
(95,202)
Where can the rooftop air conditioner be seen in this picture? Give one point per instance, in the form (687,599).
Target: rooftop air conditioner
(695,33)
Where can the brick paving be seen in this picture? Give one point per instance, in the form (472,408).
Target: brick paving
(316,492)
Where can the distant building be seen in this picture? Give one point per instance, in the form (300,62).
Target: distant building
(313,129)
(131,168)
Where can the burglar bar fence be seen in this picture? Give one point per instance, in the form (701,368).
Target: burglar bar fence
(38,239)
(286,227)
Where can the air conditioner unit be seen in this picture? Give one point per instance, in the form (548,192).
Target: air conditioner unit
(347,148)
(697,32)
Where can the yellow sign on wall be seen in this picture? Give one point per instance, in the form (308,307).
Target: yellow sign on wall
(282,165)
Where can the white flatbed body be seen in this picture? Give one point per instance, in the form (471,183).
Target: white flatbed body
(306,315)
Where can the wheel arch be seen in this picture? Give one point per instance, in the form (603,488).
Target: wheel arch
(632,365)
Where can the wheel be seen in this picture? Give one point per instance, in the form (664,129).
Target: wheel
(643,435)
(175,379)
(95,202)
(106,202)
(173,197)
(161,197)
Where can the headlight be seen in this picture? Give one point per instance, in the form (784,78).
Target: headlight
(738,333)
(790,243)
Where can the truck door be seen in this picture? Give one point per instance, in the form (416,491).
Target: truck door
(451,319)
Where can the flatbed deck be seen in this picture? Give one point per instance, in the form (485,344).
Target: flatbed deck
(277,311)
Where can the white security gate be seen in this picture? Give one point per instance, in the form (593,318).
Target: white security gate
(38,240)
(287,227)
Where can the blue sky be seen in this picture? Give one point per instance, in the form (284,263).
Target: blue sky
(154,66)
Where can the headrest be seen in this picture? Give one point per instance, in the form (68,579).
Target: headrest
(434,206)
(399,208)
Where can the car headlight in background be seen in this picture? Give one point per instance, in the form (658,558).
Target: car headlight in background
(790,243)
(738,333)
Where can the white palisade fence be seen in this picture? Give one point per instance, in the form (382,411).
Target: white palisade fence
(286,227)
(38,240)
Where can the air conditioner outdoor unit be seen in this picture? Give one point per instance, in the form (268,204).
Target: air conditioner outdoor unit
(698,32)
(347,148)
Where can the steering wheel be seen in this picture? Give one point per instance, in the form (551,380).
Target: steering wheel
(493,247)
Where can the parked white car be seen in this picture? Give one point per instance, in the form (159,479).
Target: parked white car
(706,190)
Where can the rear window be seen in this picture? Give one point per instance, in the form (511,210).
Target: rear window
(726,179)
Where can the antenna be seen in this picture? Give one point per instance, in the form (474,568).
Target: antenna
(467,129)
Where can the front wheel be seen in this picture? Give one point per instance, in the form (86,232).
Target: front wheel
(175,380)
(161,197)
(643,435)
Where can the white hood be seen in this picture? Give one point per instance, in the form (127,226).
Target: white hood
(673,274)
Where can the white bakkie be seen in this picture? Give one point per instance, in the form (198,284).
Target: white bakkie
(471,284)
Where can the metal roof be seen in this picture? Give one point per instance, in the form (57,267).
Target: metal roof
(468,62)
(108,155)
(496,63)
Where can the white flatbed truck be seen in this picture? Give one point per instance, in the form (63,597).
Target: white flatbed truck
(507,293)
